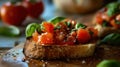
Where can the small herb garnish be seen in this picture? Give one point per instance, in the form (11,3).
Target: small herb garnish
(79,25)
(68,24)
(57,27)
(105,24)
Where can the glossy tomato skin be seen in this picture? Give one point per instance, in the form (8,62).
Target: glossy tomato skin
(34,9)
(48,27)
(83,36)
(46,38)
(13,14)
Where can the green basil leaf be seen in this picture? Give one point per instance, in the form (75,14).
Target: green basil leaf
(109,63)
(79,25)
(68,24)
(31,29)
(112,39)
(10,31)
(56,20)
(105,24)
(113,8)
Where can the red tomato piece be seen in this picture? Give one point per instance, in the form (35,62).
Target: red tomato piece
(46,38)
(99,18)
(13,14)
(105,17)
(94,31)
(117,26)
(70,40)
(34,9)
(83,36)
(48,27)
(35,36)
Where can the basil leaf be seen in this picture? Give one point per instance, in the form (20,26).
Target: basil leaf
(113,8)
(79,25)
(109,63)
(68,24)
(105,24)
(56,20)
(112,39)
(10,31)
(31,29)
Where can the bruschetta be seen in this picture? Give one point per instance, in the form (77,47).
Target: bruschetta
(59,38)
(107,20)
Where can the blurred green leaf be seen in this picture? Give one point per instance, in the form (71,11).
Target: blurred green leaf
(56,20)
(112,39)
(113,8)
(10,31)
(109,63)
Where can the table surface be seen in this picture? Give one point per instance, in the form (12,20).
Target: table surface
(15,58)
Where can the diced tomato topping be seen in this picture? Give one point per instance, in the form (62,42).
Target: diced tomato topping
(73,33)
(46,38)
(70,40)
(112,22)
(35,36)
(105,17)
(71,21)
(94,32)
(99,18)
(83,36)
(48,27)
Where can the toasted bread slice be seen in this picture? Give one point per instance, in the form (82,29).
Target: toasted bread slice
(37,51)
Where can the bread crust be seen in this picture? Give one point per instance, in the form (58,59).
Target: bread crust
(37,51)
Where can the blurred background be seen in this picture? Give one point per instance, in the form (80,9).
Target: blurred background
(12,29)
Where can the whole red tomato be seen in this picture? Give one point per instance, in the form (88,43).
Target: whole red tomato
(13,14)
(35,8)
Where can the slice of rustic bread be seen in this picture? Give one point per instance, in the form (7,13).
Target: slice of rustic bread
(37,51)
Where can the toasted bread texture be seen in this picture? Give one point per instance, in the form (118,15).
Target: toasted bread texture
(37,51)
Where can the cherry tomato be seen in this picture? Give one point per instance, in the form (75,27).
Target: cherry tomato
(112,22)
(34,9)
(46,38)
(83,36)
(48,27)
(13,14)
